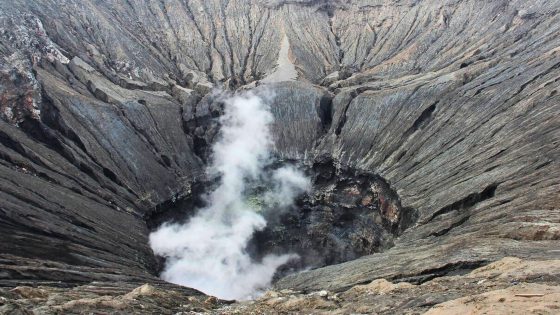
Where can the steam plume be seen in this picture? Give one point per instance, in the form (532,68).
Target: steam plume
(209,251)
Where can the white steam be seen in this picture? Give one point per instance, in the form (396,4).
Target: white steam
(208,252)
(288,184)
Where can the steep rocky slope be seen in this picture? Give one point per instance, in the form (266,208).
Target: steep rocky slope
(107,114)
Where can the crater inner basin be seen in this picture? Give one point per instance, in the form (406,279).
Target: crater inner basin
(348,213)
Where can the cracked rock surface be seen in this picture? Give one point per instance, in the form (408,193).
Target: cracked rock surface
(107,112)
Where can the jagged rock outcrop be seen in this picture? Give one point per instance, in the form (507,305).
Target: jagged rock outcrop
(106,110)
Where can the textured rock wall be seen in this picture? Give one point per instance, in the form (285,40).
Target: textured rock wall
(104,110)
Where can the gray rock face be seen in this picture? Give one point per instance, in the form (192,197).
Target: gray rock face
(106,113)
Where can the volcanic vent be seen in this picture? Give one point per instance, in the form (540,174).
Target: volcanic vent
(348,213)
(256,216)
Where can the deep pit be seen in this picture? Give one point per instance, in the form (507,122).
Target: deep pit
(254,217)
(348,213)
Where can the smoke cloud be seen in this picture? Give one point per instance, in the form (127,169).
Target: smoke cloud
(208,252)
(288,183)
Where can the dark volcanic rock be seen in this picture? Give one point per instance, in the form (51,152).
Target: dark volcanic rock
(106,119)
(349,213)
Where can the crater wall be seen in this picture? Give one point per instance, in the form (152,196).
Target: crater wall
(107,107)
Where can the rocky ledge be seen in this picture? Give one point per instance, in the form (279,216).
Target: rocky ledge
(510,285)
(107,112)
